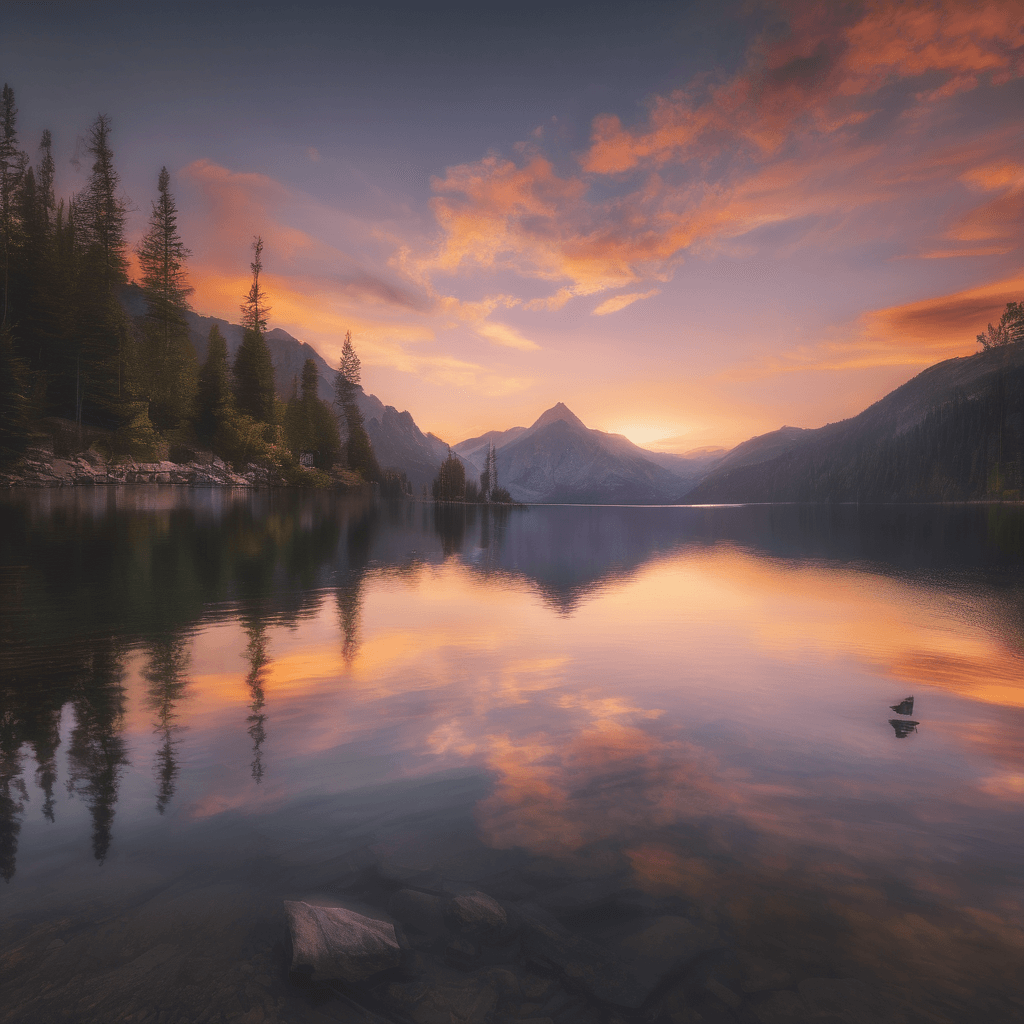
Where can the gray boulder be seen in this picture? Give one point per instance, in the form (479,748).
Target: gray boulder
(339,944)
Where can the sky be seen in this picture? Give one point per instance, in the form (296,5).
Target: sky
(689,222)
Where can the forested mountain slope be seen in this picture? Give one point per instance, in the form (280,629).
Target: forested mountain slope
(954,432)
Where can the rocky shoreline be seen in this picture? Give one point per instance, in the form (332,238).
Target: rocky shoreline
(41,469)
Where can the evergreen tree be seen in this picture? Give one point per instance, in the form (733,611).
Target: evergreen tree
(66,386)
(358,450)
(12,167)
(214,401)
(255,309)
(168,355)
(14,401)
(254,378)
(450,482)
(109,391)
(1009,331)
(254,369)
(47,200)
(310,425)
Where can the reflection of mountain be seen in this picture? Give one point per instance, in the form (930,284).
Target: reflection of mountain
(162,562)
(568,552)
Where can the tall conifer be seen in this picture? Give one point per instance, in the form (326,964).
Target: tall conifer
(12,167)
(254,369)
(168,356)
(107,361)
(358,449)
(214,404)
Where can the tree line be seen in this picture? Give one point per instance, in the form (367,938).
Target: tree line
(70,351)
(451,484)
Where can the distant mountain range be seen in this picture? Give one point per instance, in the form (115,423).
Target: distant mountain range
(954,432)
(560,459)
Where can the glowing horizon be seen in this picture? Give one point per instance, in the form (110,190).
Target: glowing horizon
(689,227)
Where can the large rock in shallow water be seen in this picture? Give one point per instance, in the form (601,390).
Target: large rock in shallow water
(339,944)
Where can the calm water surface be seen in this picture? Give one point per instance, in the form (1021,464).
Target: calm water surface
(213,701)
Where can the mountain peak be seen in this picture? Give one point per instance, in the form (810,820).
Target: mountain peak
(556,413)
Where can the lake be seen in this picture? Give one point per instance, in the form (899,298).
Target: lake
(663,739)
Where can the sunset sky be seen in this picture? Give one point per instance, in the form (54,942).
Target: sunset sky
(689,222)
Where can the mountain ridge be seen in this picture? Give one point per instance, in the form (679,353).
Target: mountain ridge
(954,432)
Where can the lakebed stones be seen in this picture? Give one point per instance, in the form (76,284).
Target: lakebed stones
(444,997)
(332,943)
(421,914)
(584,964)
(661,947)
(476,911)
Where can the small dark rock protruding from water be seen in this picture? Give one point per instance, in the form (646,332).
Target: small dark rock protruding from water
(905,706)
(903,727)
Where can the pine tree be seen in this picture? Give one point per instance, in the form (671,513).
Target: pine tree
(254,369)
(358,450)
(214,401)
(47,201)
(14,401)
(103,329)
(255,309)
(168,356)
(12,168)
(67,384)
(450,482)
(310,425)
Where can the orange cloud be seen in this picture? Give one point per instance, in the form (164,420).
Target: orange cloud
(946,325)
(815,76)
(617,302)
(914,334)
(802,95)
(503,334)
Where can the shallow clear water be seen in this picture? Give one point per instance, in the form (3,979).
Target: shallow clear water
(212,701)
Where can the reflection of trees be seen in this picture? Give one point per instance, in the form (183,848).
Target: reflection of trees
(12,790)
(256,653)
(98,753)
(450,526)
(349,593)
(45,739)
(167,676)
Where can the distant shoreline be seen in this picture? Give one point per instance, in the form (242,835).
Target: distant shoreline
(39,468)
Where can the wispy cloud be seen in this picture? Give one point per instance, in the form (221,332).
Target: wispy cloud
(503,334)
(617,302)
(784,139)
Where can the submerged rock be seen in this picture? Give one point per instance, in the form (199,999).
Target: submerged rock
(661,947)
(334,943)
(419,913)
(584,964)
(444,997)
(478,912)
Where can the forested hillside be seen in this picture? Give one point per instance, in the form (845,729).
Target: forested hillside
(86,358)
(953,433)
